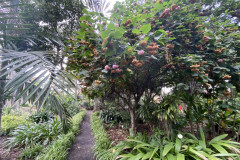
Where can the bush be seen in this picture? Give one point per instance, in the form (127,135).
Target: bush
(30,153)
(102,142)
(187,147)
(58,150)
(9,123)
(40,117)
(71,105)
(114,115)
(32,134)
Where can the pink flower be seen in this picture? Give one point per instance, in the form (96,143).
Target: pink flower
(107,67)
(167,10)
(220,60)
(118,70)
(86,29)
(178,7)
(115,66)
(117,25)
(167,32)
(141,52)
(93,31)
(85,57)
(180,108)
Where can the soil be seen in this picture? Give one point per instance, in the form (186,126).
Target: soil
(117,135)
(8,155)
(82,147)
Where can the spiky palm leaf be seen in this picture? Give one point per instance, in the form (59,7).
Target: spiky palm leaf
(97,5)
(37,80)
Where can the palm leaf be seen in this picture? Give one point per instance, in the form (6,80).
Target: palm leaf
(38,80)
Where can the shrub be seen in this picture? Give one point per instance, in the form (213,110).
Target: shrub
(32,134)
(71,105)
(8,123)
(114,115)
(102,142)
(40,117)
(58,150)
(30,153)
(187,147)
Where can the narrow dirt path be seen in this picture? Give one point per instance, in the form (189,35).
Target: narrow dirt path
(82,147)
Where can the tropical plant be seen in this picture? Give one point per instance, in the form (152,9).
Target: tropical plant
(102,142)
(31,152)
(40,117)
(59,148)
(32,134)
(10,122)
(38,80)
(182,148)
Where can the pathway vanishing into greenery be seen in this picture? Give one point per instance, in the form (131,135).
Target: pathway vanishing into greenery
(82,147)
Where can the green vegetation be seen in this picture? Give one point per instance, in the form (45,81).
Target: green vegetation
(102,142)
(10,122)
(182,147)
(59,148)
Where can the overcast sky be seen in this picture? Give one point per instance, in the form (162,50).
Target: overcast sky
(113,2)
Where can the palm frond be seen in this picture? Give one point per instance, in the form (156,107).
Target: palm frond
(37,79)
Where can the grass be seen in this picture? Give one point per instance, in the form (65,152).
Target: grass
(58,150)
(102,143)
(10,122)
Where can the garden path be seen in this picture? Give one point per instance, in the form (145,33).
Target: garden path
(82,147)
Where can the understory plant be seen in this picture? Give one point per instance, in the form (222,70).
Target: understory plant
(185,147)
(10,122)
(58,150)
(33,133)
(102,142)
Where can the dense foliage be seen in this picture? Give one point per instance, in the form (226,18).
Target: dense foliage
(102,142)
(10,122)
(142,48)
(59,148)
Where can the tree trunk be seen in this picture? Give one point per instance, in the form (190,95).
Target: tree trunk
(96,103)
(133,121)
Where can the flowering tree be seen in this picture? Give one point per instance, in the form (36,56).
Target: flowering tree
(142,48)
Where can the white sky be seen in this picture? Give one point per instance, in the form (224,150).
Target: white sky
(113,2)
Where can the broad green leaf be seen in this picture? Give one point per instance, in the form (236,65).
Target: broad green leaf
(180,156)
(146,28)
(104,34)
(136,31)
(178,145)
(219,148)
(166,149)
(218,138)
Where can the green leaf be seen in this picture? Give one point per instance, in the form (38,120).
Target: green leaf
(203,136)
(218,138)
(117,34)
(219,148)
(136,31)
(225,155)
(166,149)
(104,34)
(111,26)
(137,157)
(180,156)
(146,28)
(109,52)
(154,151)
(177,145)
